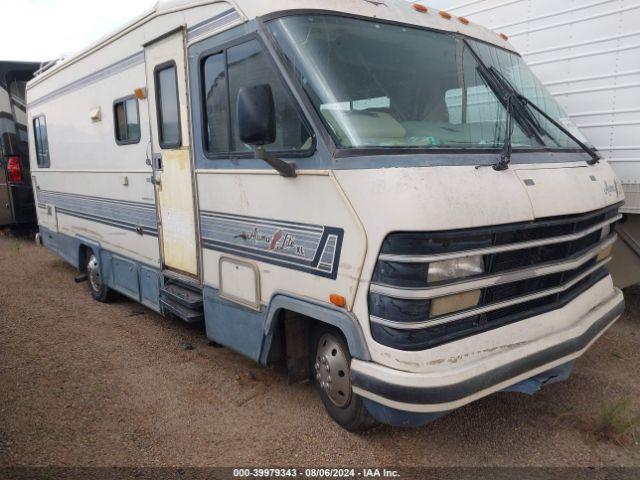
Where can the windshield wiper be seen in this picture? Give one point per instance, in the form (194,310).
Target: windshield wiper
(507,145)
(515,109)
(517,106)
(509,98)
(595,158)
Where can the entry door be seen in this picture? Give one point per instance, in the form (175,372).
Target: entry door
(171,157)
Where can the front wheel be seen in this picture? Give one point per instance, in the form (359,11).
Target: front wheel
(99,289)
(331,368)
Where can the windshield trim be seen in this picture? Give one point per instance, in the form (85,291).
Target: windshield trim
(335,13)
(342,152)
(459,159)
(360,152)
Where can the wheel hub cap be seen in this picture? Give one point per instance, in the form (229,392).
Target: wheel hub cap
(332,370)
(93,270)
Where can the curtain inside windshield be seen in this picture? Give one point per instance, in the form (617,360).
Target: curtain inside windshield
(377,85)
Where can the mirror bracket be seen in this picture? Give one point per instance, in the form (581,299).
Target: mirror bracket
(286,169)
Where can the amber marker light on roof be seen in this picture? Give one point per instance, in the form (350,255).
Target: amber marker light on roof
(420,8)
(464,20)
(337,300)
(504,36)
(444,14)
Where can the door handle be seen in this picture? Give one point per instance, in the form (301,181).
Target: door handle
(157,161)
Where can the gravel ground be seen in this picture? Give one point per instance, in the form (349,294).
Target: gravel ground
(89,384)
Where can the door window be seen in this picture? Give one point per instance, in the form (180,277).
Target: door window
(166,81)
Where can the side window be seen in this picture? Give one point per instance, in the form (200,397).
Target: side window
(246,65)
(216,104)
(42,142)
(168,106)
(127,121)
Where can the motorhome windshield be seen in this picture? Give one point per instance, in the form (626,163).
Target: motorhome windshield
(378,85)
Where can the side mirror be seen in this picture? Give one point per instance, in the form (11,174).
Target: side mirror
(257,125)
(256,115)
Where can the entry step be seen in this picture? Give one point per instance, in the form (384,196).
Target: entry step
(182,295)
(189,315)
(182,300)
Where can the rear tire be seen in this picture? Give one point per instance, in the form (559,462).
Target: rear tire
(98,288)
(330,367)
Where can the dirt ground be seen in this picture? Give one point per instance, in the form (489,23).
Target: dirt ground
(89,384)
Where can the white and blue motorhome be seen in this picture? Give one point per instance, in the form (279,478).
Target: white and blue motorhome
(378,195)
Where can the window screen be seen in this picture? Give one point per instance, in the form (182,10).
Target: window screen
(42,142)
(168,107)
(246,65)
(127,121)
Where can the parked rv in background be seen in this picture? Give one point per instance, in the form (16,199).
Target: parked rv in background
(587,53)
(16,196)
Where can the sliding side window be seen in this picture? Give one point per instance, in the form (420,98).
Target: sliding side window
(41,142)
(224,74)
(127,121)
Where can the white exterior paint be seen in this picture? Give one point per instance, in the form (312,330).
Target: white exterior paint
(453,363)
(370,191)
(367,203)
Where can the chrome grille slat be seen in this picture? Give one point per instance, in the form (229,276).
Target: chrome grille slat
(491,307)
(530,268)
(492,280)
(387,257)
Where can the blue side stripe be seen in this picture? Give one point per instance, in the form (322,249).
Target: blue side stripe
(134,216)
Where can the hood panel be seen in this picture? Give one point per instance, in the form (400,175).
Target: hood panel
(448,198)
(565,191)
(434,198)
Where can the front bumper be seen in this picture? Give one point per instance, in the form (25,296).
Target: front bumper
(441,391)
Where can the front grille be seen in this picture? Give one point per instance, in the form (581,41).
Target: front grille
(529,268)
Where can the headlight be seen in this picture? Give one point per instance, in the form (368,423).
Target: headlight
(457,268)
(606,231)
(605,253)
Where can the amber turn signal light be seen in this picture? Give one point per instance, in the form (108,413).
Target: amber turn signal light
(337,300)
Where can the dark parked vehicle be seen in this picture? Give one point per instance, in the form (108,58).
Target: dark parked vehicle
(16,197)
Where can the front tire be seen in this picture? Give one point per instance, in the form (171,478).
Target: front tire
(331,368)
(98,288)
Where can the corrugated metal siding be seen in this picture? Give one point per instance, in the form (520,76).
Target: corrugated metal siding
(587,52)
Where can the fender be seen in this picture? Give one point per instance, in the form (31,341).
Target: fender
(97,250)
(343,320)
